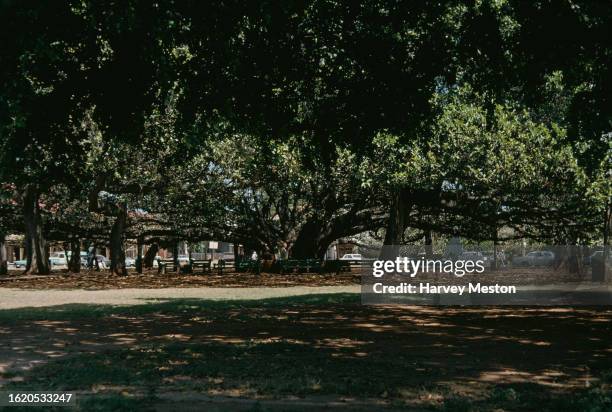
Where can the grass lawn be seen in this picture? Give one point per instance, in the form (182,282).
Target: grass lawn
(319,352)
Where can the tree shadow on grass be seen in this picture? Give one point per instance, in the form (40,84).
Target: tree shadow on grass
(321,347)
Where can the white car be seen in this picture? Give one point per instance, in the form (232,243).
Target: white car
(57,261)
(351,256)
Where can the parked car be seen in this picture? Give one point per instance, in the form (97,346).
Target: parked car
(57,261)
(53,261)
(352,256)
(68,256)
(535,258)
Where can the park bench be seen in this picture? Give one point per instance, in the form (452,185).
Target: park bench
(239,266)
(310,266)
(165,265)
(318,266)
(222,265)
(205,265)
(287,266)
(299,265)
(248,266)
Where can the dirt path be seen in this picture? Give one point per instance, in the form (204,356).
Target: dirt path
(19,298)
(92,280)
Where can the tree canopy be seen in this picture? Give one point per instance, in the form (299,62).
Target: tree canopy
(286,126)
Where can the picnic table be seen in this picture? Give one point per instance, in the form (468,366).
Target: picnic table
(318,266)
(204,264)
(237,266)
(299,266)
(222,265)
(248,265)
(165,265)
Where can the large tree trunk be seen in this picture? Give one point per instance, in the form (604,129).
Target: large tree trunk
(74,264)
(314,238)
(395,226)
(36,246)
(3,257)
(139,250)
(175,253)
(308,241)
(117,248)
(236,257)
(150,255)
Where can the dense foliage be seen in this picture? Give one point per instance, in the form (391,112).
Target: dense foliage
(284,126)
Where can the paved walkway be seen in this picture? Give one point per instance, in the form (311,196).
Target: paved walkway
(19,298)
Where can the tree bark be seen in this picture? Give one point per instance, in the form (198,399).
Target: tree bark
(117,248)
(307,243)
(95,261)
(236,257)
(314,238)
(428,244)
(74,264)
(139,250)
(395,226)
(175,253)
(36,245)
(150,255)
(3,257)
